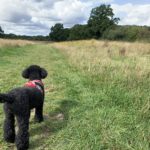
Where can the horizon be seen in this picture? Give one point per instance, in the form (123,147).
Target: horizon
(36,17)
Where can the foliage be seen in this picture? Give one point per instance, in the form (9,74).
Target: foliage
(25,37)
(101,19)
(128,33)
(1,32)
(78,32)
(58,33)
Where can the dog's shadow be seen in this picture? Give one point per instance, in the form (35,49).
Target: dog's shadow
(54,121)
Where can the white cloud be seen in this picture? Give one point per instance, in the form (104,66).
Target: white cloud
(133,14)
(25,14)
(37,16)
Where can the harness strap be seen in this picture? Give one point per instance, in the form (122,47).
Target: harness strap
(35,84)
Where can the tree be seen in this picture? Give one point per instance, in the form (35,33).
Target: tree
(1,32)
(58,33)
(101,19)
(78,32)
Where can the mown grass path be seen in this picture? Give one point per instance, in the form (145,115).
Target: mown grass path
(81,112)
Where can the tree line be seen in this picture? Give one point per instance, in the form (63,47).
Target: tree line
(101,25)
(24,37)
(100,20)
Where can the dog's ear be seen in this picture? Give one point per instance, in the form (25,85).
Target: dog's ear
(25,73)
(43,73)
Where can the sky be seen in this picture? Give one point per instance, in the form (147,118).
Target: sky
(36,17)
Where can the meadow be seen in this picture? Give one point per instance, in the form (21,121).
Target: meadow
(97,93)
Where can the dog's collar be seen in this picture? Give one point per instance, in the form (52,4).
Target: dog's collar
(35,84)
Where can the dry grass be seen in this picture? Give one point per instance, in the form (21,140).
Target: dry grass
(17,43)
(94,56)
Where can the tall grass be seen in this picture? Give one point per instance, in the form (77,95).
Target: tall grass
(94,56)
(17,43)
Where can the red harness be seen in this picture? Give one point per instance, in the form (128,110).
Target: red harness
(35,84)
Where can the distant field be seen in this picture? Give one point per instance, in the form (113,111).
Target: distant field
(4,42)
(97,93)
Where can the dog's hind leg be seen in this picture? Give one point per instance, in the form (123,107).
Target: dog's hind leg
(22,137)
(9,127)
(39,114)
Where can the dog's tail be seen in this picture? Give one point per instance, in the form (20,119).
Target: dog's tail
(6,98)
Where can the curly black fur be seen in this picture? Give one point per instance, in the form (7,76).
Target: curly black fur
(18,103)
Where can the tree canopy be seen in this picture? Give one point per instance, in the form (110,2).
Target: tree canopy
(78,32)
(58,33)
(101,19)
(1,31)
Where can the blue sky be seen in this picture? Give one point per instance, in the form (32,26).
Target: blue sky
(35,17)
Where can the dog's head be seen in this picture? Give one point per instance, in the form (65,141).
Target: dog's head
(34,72)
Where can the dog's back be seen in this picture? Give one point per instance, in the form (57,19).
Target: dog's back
(22,99)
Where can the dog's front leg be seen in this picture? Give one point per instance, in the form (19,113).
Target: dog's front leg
(22,137)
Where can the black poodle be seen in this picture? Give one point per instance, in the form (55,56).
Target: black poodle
(18,103)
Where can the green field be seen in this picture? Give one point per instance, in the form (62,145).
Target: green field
(97,94)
